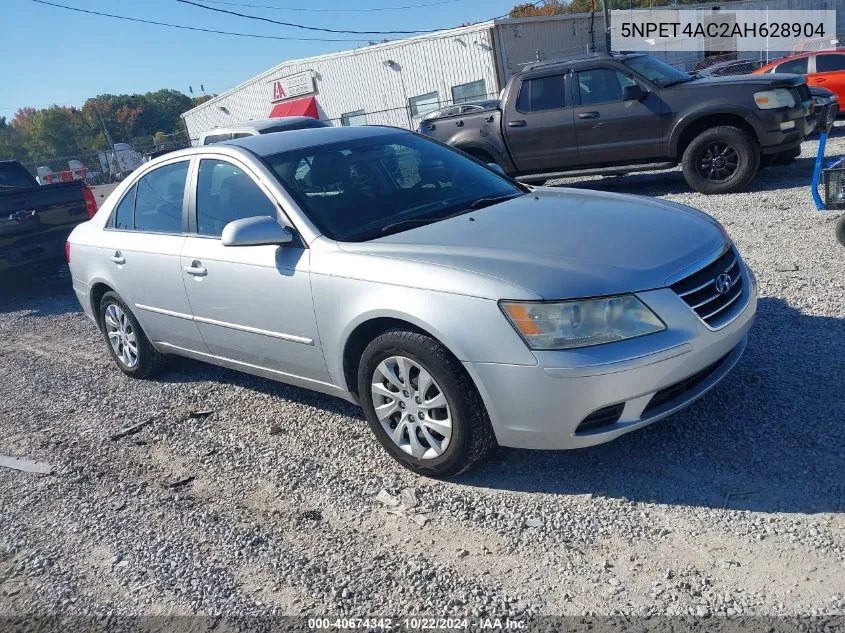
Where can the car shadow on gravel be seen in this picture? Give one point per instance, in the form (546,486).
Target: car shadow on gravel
(44,292)
(186,370)
(768,438)
(776,177)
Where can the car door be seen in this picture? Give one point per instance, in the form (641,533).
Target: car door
(252,304)
(538,126)
(610,129)
(145,235)
(830,73)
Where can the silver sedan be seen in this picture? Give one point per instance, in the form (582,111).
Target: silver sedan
(459,308)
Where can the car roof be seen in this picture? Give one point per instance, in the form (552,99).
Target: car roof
(581,58)
(826,51)
(262,124)
(268,144)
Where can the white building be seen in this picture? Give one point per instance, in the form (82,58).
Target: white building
(395,83)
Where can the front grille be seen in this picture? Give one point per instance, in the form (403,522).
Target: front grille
(602,417)
(701,293)
(672,392)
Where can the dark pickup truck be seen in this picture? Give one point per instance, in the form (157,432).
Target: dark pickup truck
(36,220)
(618,113)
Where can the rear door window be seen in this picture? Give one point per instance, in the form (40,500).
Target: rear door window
(542,93)
(159,199)
(829,63)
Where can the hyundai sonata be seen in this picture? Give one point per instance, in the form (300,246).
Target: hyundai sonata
(460,308)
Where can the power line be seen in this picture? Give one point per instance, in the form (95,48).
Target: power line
(325,30)
(299,26)
(315,10)
(195,28)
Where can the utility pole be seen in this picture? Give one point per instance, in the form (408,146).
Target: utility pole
(606,24)
(108,138)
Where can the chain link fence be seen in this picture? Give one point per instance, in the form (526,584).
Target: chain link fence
(105,166)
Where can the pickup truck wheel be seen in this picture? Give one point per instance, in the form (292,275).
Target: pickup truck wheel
(129,346)
(721,160)
(840,230)
(421,405)
(481,155)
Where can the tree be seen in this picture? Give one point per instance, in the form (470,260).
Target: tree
(550,7)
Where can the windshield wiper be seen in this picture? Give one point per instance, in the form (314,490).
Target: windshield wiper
(409,222)
(472,206)
(491,200)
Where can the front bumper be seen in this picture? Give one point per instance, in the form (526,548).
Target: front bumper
(774,139)
(542,406)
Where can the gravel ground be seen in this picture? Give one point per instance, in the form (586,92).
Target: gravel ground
(241,496)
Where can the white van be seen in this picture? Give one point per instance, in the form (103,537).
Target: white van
(254,128)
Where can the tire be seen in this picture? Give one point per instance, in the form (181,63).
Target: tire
(484,157)
(117,322)
(840,230)
(741,162)
(471,436)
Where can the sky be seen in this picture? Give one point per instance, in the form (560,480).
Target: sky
(52,55)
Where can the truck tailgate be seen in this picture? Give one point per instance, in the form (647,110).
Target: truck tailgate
(35,222)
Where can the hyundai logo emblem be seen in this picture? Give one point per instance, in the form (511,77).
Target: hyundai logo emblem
(723,283)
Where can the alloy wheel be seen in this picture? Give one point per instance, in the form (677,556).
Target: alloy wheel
(411,407)
(121,335)
(717,161)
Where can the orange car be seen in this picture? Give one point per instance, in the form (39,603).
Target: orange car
(822,68)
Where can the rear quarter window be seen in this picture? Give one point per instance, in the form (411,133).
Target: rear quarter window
(123,217)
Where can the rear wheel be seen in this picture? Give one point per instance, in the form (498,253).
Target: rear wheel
(129,346)
(723,159)
(483,156)
(421,405)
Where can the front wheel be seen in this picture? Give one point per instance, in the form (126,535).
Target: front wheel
(421,405)
(722,159)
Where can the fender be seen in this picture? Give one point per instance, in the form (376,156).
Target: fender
(501,158)
(689,118)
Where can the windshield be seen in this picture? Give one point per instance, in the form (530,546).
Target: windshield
(657,72)
(367,188)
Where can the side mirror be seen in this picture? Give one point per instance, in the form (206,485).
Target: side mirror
(255,231)
(633,93)
(496,167)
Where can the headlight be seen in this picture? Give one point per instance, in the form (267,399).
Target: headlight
(777,98)
(570,324)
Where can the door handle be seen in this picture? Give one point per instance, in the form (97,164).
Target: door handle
(820,80)
(518,123)
(589,115)
(118,258)
(459,123)
(196,269)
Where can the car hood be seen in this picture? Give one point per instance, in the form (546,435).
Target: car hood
(765,79)
(559,244)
